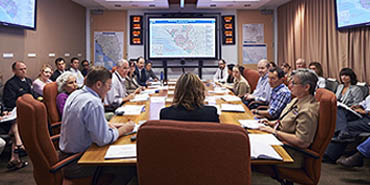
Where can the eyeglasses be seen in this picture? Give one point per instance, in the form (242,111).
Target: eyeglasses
(295,83)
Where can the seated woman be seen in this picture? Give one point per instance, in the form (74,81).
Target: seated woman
(347,92)
(67,83)
(287,70)
(188,102)
(241,85)
(130,82)
(230,77)
(298,121)
(42,80)
(316,66)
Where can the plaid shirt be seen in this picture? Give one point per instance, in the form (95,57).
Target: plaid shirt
(280,97)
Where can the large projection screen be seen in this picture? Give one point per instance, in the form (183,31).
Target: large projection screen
(182,38)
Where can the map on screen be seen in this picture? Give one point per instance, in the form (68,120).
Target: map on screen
(18,12)
(182,38)
(352,12)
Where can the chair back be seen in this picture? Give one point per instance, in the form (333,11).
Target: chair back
(252,77)
(33,128)
(364,88)
(331,84)
(50,96)
(183,153)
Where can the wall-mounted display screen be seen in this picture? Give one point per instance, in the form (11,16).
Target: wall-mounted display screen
(19,13)
(350,13)
(182,37)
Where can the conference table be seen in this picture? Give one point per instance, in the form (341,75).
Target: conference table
(94,155)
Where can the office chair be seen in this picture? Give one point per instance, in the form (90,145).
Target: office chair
(50,96)
(183,153)
(252,77)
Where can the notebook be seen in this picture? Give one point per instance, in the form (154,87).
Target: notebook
(121,151)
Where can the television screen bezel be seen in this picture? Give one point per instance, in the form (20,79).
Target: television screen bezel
(6,24)
(216,18)
(349,26)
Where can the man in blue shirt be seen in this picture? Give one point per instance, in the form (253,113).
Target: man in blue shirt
(261,95)
(280,95)
(83,121)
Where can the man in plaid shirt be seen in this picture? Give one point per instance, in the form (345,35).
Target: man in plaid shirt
(280,95)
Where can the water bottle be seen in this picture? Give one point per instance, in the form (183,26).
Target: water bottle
(162,76)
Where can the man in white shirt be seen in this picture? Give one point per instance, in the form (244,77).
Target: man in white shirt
(118,93)
(221,73)
(262,92)
(75,62)
(300,63)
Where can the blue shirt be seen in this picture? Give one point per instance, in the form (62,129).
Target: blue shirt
(365,104)
(280,97)
(83,122)
(263,89)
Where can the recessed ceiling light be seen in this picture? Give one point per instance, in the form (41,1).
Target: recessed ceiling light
(237,0)
(128,1)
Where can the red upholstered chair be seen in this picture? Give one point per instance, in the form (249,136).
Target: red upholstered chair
(252,77)
(183,153)
(309,174)
(50,96)
(33,128)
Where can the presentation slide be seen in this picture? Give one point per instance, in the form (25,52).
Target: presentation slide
(18,12)
(353,12)
(182,38)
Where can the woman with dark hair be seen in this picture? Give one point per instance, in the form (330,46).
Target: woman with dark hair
(130,82)
(241,85)
(347,92)
(230,77)
(188,102)
(287,70)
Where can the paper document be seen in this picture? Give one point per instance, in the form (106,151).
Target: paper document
(150,91)
(229,98)
(169,100)
(268,139)
(171,87)
(340,104)
(219,90)
(121,151)
(11,116)
(171,92)
(250,123)
(157,99)
(131,109)
(171,83)
(140,97)
(232,108)
(260,150)
(155,83)
(211,100)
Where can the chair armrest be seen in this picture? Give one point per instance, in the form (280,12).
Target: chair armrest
(55,137)
(59,165)
(56,124)
(305,151)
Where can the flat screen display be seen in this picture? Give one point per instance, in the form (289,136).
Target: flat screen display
(182,38)
(19,13)
(352,13)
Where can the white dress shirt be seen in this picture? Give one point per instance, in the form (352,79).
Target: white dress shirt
(118,90)
(221,75)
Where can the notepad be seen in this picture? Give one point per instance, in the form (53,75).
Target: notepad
(131,109)
(260,150)
(265,138)
(11,116)
(232,108)
(230,98)
(250,123)
(121,151)
(340,104)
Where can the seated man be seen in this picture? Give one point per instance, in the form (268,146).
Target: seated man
(300,63)
(83,123)
(261,95)
(221,73)
(280,95)
(348,129)
(149,72)
(140,72)
(61,66)
(75,62)
(298,122)
(118,95)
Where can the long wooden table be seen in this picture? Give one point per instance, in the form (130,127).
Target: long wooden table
(94,155)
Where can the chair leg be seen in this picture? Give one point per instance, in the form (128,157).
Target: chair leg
(277,176)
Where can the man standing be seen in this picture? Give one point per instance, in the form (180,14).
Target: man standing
(83,123)
(221,73)
(118,93)
(261,95)
(75,62)
(61,66)
(300,63)
(140,72)
(280,95)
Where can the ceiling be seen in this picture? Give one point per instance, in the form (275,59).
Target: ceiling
(166,4)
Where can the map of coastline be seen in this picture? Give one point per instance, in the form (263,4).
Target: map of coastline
(108,48)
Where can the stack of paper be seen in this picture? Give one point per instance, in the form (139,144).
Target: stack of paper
(140,97)
(131,109)
(155,83)
(265,138)
(218,90)
(155,99)
(250,124)
(150,91)
(232,108)
(211,100)
(229,98)
(121,151)
(260,150)
(171,83)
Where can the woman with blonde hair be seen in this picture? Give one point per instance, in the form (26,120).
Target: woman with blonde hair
(188,102)
(42,80)
(241,85)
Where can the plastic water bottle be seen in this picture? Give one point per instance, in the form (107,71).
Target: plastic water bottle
(162,76)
